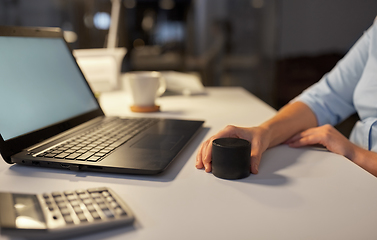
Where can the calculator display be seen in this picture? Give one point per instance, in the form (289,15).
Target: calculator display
(28,212)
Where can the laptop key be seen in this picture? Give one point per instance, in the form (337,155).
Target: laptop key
(56,152)
(46,155)
(100,154)
(85,156)
(121,141)
(93,158)
(62,155)
(73,156)
(70,151)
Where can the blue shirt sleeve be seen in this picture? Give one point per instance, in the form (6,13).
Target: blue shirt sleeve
(331,99)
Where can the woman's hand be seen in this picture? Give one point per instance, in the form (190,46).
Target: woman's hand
(327,136)
(334,141)
(257,136)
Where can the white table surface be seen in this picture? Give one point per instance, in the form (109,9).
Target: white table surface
(305,193)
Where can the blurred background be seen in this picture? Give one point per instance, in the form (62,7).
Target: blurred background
(272,48)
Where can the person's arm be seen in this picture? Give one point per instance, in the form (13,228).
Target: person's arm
(334,141)
(293,118)
(365,159)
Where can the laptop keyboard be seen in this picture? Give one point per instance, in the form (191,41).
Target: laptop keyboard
(96,143)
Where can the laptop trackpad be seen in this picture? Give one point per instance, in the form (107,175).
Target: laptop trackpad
(158,141)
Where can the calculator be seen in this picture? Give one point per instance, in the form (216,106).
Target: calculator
(62,214)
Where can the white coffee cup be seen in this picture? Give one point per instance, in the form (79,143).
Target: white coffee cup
(144,87)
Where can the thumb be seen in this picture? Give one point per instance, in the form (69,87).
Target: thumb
(255,161)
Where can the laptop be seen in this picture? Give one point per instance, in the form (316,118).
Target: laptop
(51,118)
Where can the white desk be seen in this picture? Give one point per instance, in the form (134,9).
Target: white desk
(298,194)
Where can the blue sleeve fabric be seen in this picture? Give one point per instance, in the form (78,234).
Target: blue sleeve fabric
(332,98)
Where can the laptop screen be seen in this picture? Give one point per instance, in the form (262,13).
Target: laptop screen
(40,85)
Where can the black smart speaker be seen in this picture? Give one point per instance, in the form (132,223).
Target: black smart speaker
(231,158)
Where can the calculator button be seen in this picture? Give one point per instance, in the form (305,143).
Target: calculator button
(90,208)
(109,199)
(59,199)
(77,209)
(87,201)
(45,196)
(92,190)
(95,215)
(99,200)
(74,203)
(120,211)
(84,196)
(108,213)
(71,197)
(80,191)
(62,205)
(96,195)
(114,204)
(56,194)
(65,211)
(105,194)
(82,217)
(68,193)
(68,219)
(102,206)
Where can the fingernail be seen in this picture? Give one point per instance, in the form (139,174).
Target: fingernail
(207,167)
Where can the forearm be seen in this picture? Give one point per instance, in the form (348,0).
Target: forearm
(291,119)
(365,159)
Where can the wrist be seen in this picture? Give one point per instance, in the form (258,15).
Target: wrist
(276,131)
(356,154)
(267,134)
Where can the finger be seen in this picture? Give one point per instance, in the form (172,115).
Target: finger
(255,161)
(294,138)
(199,163)
(201,154)
(255,157)
(298,136)
(207,156)
(305,141)
(302,134)
(204,156)
(207,150)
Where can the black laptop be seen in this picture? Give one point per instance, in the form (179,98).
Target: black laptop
(49,116)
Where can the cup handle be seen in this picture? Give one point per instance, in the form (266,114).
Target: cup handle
(162,88)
